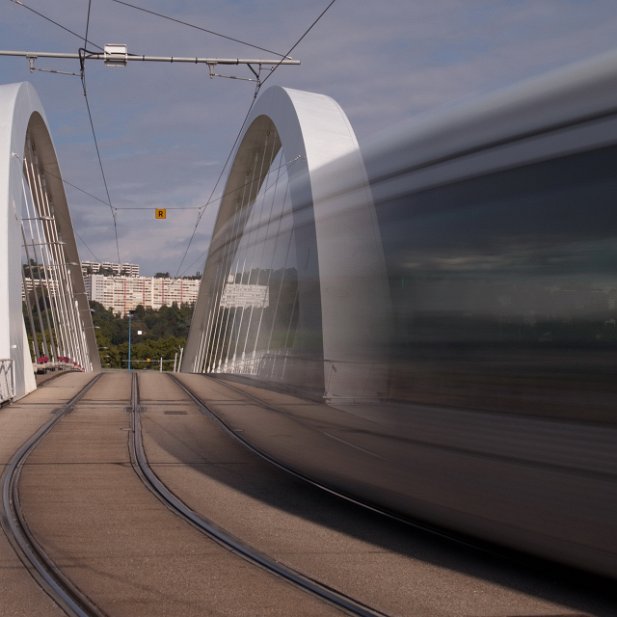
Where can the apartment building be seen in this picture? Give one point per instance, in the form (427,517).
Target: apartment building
(109,268)
(125,293)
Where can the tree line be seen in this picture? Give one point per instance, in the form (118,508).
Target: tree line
(155,335)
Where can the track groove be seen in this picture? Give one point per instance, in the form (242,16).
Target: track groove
(224,538)
(43,569)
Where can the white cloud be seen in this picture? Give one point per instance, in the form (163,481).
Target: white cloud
(165,130)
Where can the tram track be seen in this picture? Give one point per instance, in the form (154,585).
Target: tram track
(43,569)
(221,536)
(456,538)
(471,548)
(72,595)
(89,506)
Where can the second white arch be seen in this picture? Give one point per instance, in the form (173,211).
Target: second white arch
(341,282)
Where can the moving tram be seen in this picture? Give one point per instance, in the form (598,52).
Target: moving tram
(492,411)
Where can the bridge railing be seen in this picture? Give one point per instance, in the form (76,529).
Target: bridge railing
(7,389)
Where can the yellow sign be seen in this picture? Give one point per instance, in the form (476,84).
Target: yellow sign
(160,213)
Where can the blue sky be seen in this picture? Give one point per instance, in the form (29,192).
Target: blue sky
(164,131)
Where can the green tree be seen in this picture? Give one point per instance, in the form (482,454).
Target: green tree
(164,333)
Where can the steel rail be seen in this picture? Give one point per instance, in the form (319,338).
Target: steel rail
(461,539)
(47,574)
(220,535)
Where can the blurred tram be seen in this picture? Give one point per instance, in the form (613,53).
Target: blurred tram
(496,413)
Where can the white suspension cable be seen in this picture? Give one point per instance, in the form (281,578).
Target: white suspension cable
(266,296)
(258,247)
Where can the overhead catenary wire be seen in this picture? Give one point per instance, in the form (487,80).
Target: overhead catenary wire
(94,137)
(80,189)
(123,208)
(87,23)
(215,200)
(64,181)
(216,184)
(98,155)
(68,183)
(233,147)
(299,40)
(49,19)
(86,245)
(83,52)
(196,27)
(83,79)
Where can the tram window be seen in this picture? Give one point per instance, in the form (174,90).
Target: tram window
(517,267)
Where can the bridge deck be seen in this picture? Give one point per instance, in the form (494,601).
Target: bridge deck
(132,556)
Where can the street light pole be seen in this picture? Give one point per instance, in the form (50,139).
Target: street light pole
(130,315)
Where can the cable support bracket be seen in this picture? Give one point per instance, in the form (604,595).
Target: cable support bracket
(116,55)
(35,69)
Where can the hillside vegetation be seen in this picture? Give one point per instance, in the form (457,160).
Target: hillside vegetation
(163,334)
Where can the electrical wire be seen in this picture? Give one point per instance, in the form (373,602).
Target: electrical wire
(122,209)
(210,200)
(204,205)
(82,54)
(65,181)
(186,23)
(259,84)
(218,180)
(198,260)
(98,155)
(87,23)
(85,91)
(79,189)
(79,36)
(86,245)
(298,41)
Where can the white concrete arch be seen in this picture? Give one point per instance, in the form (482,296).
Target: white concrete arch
(22,120)
(326,174)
